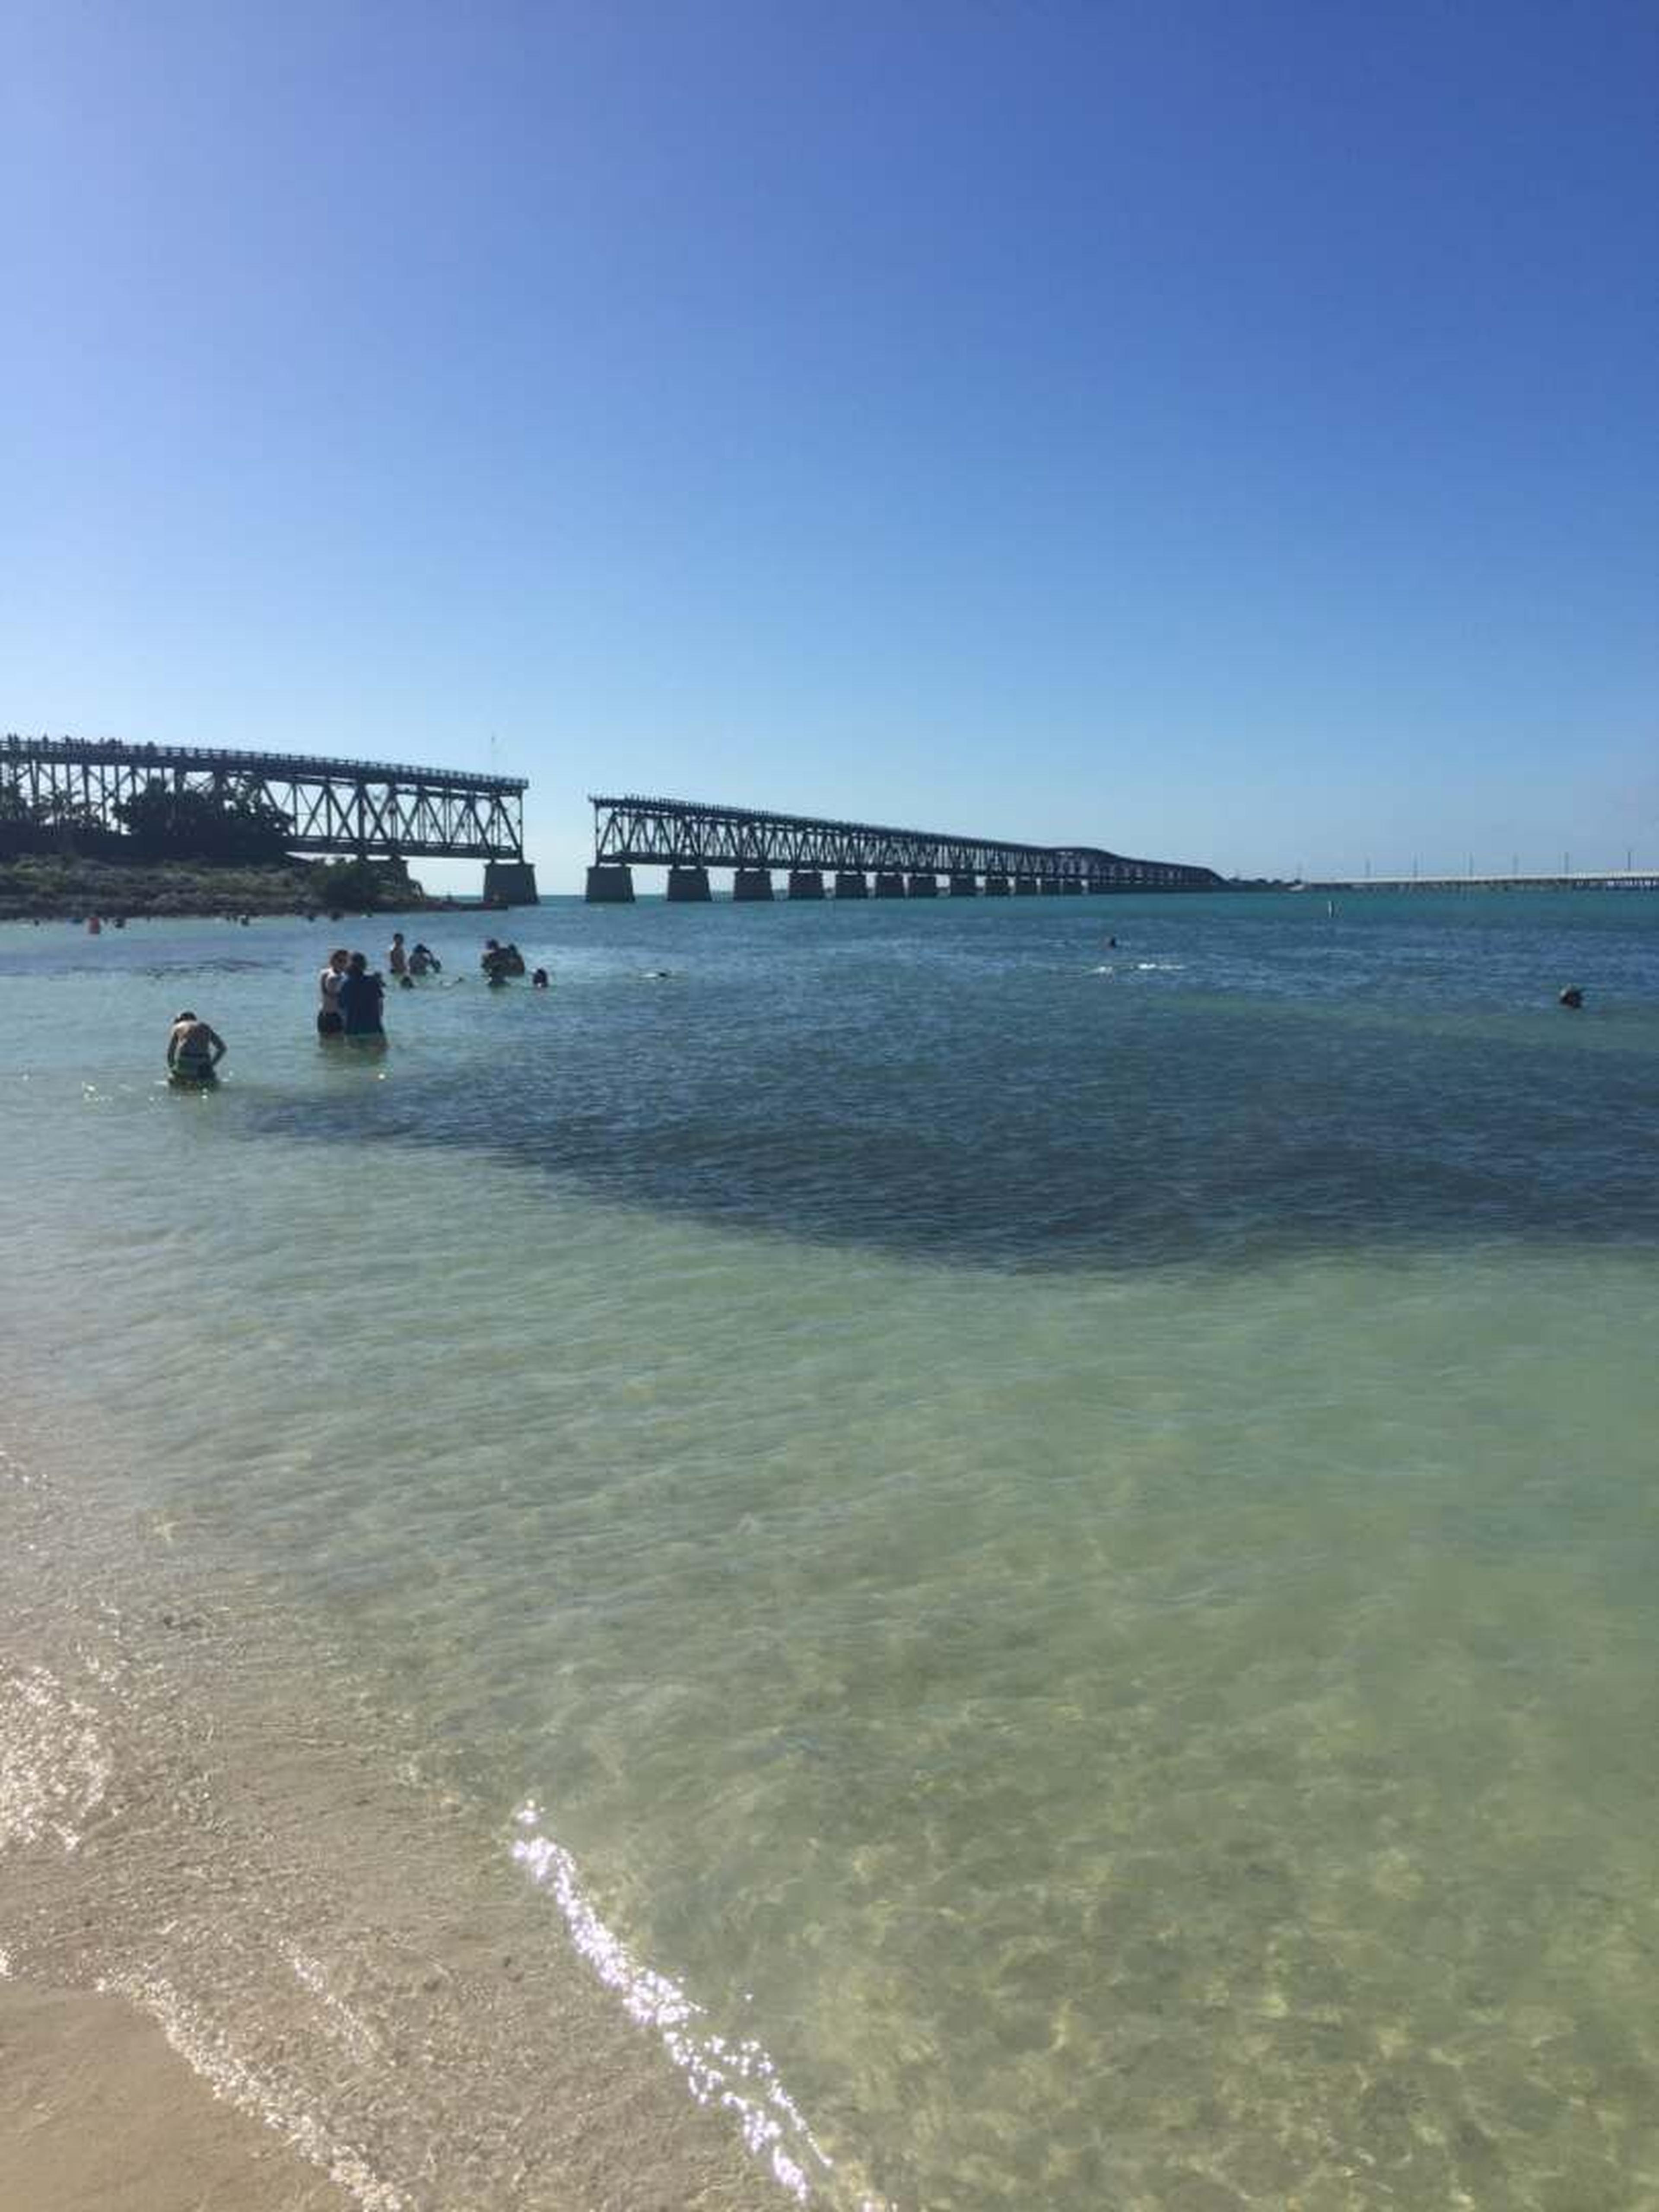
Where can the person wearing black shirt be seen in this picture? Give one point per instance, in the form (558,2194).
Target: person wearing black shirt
(361,997)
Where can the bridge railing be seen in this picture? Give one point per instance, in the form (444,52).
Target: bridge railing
(284,766)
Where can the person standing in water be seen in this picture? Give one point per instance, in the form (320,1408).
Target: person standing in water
(329,1018)
(396,959)
(194,1051)
(362,996)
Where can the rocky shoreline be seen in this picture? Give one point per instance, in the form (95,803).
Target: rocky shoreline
(67,888)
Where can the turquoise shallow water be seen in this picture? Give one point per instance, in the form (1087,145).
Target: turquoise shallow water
(1063,1535)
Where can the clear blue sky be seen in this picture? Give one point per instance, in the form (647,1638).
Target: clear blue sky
(1227,433)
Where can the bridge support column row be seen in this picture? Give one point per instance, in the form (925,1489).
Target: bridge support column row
(611,883)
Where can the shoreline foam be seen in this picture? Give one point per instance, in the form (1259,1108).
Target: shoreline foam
(209,1841)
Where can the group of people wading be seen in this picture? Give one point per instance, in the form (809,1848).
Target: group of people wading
(353,995)
(352,1003)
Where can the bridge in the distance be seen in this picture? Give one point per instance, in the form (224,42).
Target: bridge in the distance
(364,809)
(818,855)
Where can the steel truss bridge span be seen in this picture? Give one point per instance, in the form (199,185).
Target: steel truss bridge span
(363,808)
(689,839)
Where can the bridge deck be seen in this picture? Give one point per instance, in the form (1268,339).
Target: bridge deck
(1578,880)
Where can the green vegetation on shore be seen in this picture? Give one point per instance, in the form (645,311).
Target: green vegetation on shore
(63,886)
(170,849)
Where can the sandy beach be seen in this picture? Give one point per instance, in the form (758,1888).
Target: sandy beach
(248,1958)
(98,2114)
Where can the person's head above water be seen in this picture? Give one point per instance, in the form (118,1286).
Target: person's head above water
(185,1017)
(357,963)
(338,957)
(1572,996)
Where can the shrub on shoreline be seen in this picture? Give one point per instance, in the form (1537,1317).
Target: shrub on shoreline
(56,887)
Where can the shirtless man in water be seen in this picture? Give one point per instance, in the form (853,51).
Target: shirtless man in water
(194,1050)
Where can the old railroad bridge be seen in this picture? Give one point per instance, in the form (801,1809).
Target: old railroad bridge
(371,809)
(687,840)
(365,809)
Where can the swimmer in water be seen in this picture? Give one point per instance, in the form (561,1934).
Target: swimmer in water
(1572,996)
(194,1051)
(539,980)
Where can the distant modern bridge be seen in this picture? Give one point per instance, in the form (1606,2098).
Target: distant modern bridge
(689,839)
(1575,879)
(366,809)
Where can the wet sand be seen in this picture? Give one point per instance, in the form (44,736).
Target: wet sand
(99,2114)
(251,1957)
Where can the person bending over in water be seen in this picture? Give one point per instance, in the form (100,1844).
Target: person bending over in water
(361,997)
(194,1050)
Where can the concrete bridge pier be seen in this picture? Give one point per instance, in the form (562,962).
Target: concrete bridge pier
(851,882)
(752,883)
(890,884)
(610,884)
(996,883)
(924,885)
(510,883)
(690,885)
(805,883)
(964,883)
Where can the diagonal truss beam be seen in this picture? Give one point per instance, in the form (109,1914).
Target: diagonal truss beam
(359,808)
